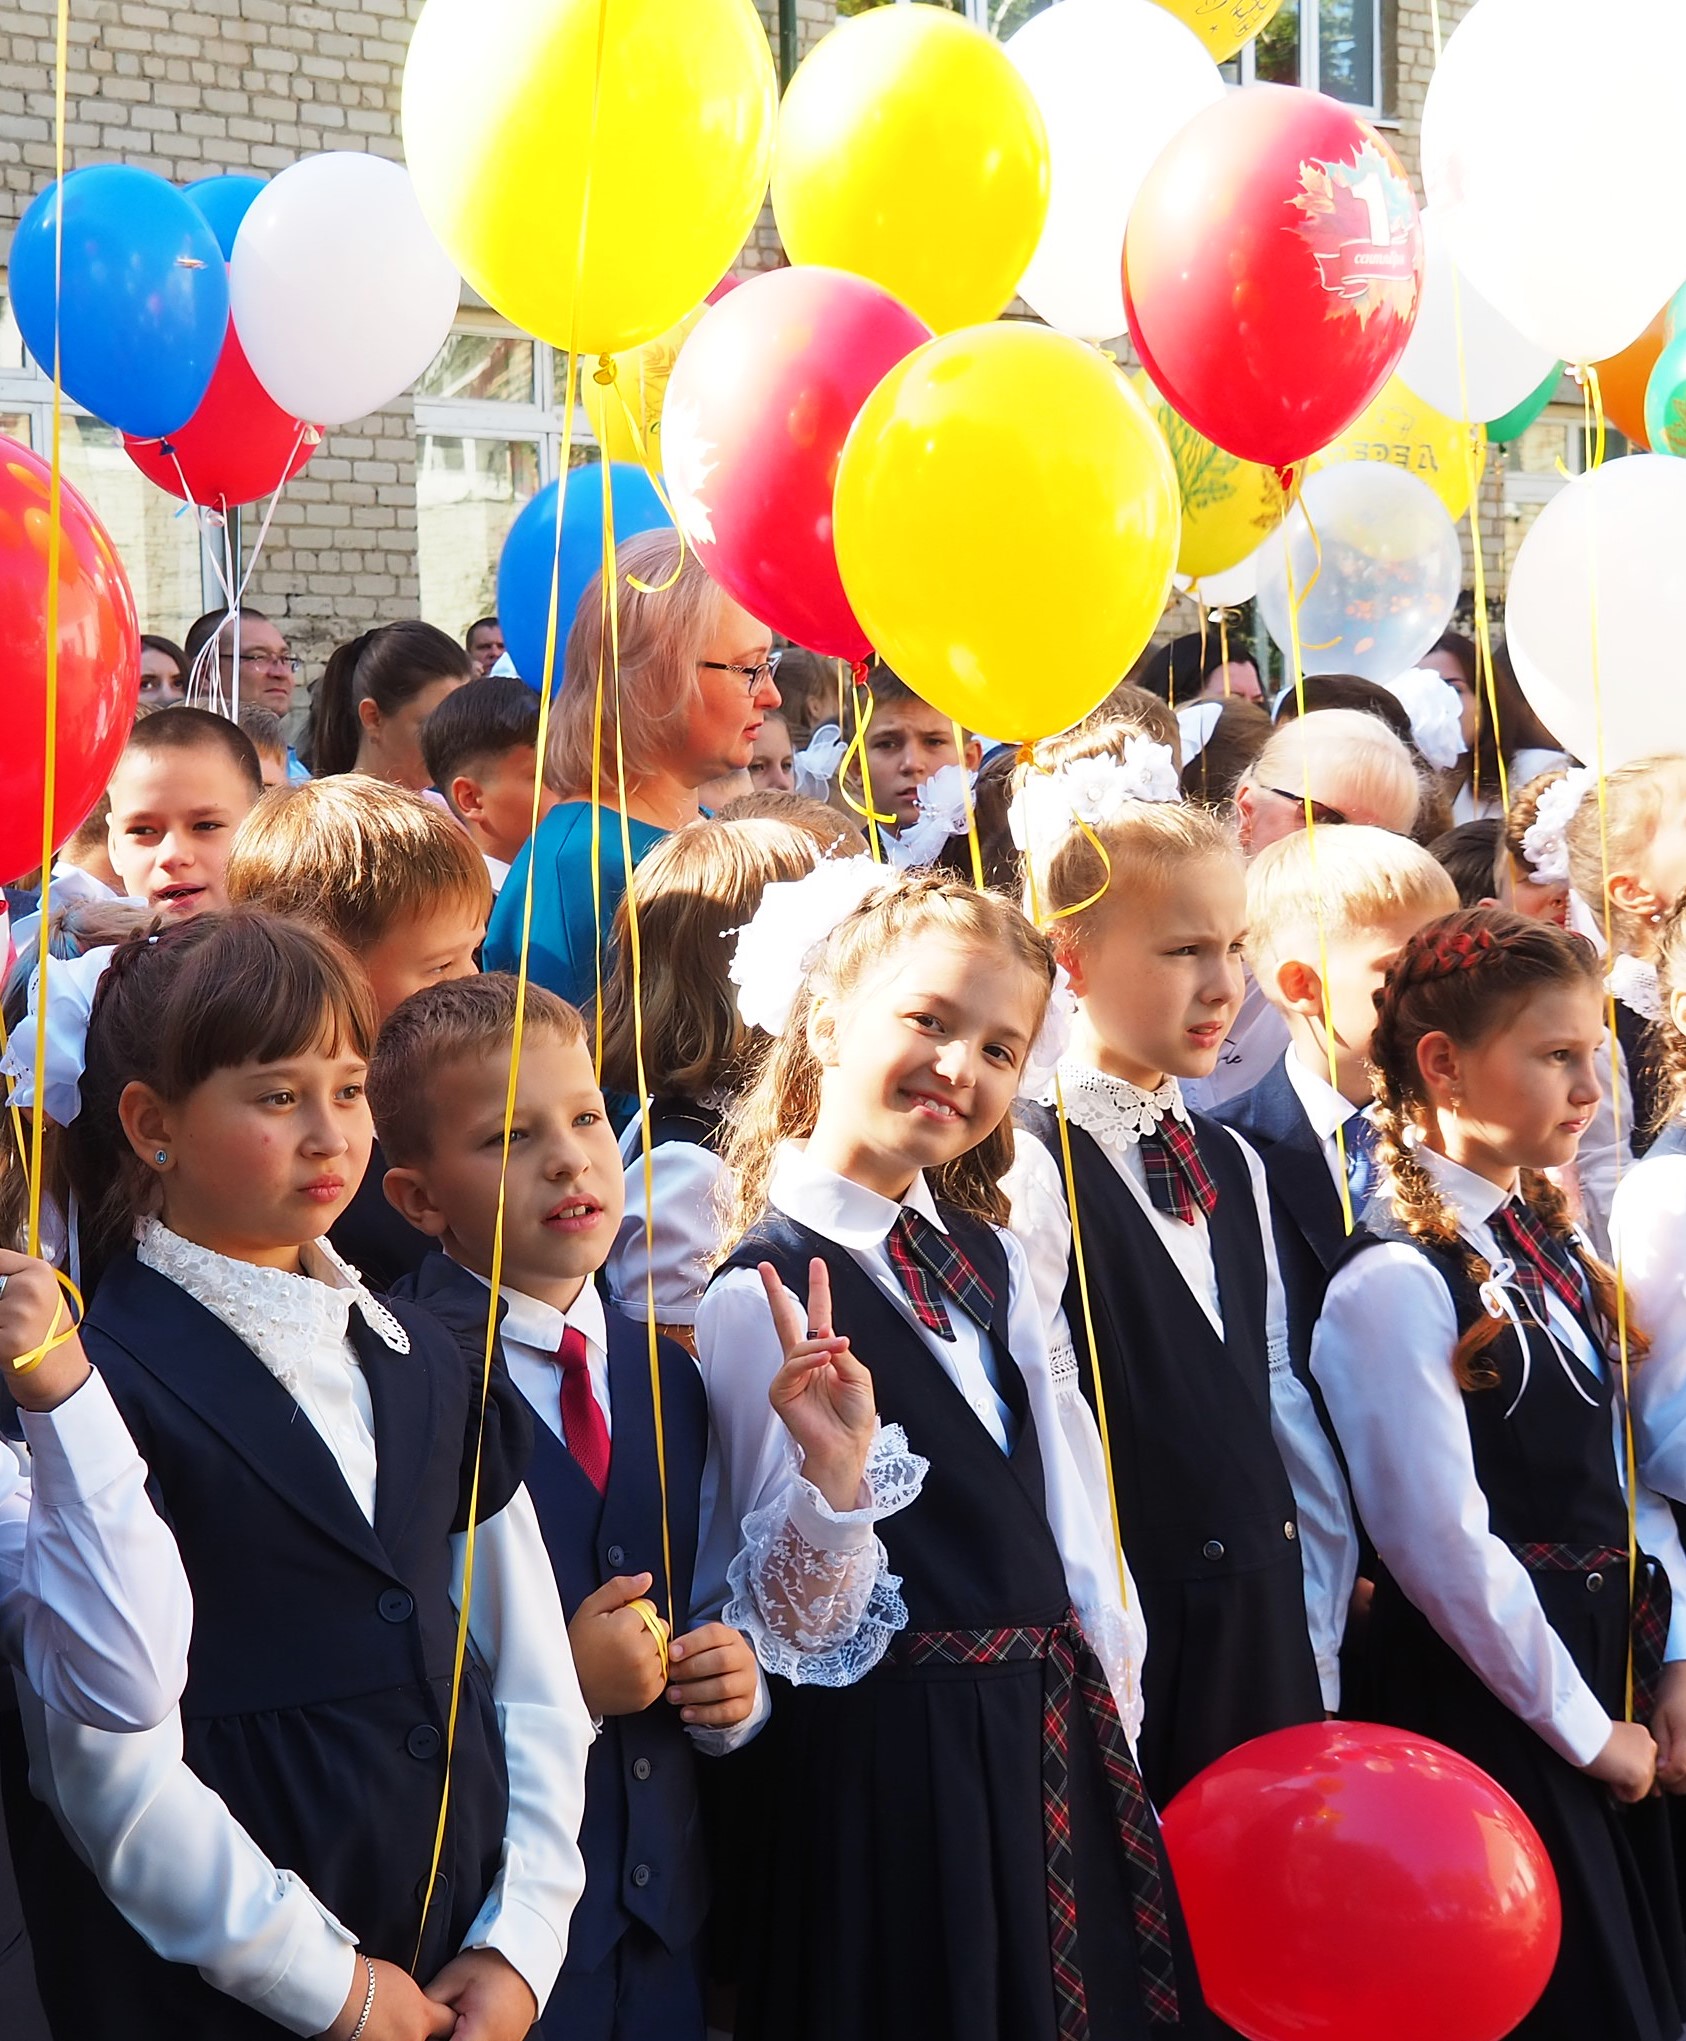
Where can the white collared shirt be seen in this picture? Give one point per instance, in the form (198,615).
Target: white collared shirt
(1382,1355)
(531,1335)
(165,1848)
(753,1475)
(689,1185)
(1112,1113)
(94,1605)
(1324,1107)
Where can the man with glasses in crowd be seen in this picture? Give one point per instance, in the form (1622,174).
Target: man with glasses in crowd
(262,672)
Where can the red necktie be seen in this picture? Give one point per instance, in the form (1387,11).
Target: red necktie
(583,1427)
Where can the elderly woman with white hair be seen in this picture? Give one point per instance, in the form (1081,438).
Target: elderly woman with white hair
(694,681)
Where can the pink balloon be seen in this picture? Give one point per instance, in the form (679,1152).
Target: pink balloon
(760,403)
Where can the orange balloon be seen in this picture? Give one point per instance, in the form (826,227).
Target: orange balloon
(1622,380)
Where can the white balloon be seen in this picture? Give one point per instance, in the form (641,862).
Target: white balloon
(1115,80)
(1230,589)
(1612,544)
(1378,581)
(1500,366)
(338,290)
(1560,200)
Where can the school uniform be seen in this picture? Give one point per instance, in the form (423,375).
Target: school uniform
(689,1186)
(374,1236)
(1648,1222)
(288,1809)
(1230,1499)
(1501,1624)
(957,1846)
(633,1969)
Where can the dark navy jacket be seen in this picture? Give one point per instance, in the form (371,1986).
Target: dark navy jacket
(641,1836)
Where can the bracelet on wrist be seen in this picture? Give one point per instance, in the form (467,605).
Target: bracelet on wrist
(368,2002)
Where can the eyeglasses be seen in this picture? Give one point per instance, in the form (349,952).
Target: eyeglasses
(1321,813)
(273,660)
(755,677)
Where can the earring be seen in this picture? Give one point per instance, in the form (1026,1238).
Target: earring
(160,1156)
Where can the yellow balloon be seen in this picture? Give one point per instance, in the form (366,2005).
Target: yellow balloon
(1230,507)
(1006,526)
(628,425)
(514,136)
(1223,25)
(1399,427)
(911,151)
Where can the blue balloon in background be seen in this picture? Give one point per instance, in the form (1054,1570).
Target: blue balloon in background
(525,564)
(145,296)
(224,200)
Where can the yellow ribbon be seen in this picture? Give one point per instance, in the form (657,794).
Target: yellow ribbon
(60,1335)
(971,812)
(857,748)
(647,1613)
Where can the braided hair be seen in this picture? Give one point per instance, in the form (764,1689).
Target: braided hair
(1466,976)
(1671,1043)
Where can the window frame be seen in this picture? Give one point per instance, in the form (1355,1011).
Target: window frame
(1311,51)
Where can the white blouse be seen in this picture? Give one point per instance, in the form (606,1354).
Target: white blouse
(94,1605)
(1116,1114)
(690,1185)
(1382,1355)
(795,1551)
(165,1848)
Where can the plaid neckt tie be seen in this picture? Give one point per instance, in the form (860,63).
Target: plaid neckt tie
(1177,1181)
(1541,1259)
(928,1263)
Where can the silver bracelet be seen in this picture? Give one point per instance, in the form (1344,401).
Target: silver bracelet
(368,2003)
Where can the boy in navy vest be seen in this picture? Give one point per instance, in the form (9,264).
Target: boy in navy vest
(624,1557)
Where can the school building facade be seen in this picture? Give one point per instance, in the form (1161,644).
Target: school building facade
(402,513)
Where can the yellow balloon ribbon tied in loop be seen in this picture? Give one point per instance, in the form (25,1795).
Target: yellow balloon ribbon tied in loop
(61,1335)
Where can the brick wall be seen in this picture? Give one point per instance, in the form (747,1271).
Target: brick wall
(253,85)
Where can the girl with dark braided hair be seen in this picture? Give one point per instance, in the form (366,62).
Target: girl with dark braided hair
(1470,1356)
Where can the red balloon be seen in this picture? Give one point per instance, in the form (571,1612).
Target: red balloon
(99,659)
(1273,268)
(1344,1880)
(760,403)
(238,446)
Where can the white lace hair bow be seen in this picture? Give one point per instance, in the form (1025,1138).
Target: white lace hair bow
(1545,842)
(71,985)
(1091,791)
(944,800)
(816,765)
(782,942)
(1197,722)
(1436,711)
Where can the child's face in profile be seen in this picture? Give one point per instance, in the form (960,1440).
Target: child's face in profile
(1358,968)
(173,818)
(772,769)
(423,947)
(564,1192)
(274,765)
(906,742)
(494,797)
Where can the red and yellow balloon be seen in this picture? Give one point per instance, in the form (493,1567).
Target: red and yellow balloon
(1006,526)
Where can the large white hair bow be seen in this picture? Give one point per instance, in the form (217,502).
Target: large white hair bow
(1545,842)
(1089,792)
(1436,711)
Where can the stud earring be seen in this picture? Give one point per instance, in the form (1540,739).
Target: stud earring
(160,1156)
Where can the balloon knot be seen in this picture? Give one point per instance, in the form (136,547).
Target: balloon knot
(859,670)
(605,370)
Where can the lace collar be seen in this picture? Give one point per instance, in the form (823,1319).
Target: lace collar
(1115,1111)
(1634,983)
(283,1318)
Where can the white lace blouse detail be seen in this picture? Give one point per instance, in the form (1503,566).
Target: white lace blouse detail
(1635,983)
(823,1617)
(1116,1112)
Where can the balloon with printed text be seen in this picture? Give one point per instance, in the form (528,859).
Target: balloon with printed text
(98,658)
(1403,431)
(1272,268)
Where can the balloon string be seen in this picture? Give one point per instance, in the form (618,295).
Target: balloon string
(857,748)
(1296,654)
(1223,648)
(61,1335)
(1082,1268)
(971,811)
(607,375)
(55,547)
(517,1039)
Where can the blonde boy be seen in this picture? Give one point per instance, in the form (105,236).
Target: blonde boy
(1326,917)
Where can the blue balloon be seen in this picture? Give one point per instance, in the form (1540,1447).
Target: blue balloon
(530,550)
(144,306)
(223,201)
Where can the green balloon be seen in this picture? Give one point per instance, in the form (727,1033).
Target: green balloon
(1516,422)
(1665,400)
(1674,318)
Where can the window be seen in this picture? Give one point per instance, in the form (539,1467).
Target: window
(1000,17)
(490,427)
(1331,46)
(155,536)
(1547,457)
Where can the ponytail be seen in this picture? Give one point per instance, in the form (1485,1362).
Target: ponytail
(388,666)
(330,744)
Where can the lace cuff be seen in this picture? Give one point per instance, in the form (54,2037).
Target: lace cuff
(1118,1639)
(811,1587)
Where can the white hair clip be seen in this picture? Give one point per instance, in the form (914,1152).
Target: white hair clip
(71,985)
(1089,792)
(781,942)
(816,764)
(1196,722)
(1545,842)
(1436,711)
(944,800)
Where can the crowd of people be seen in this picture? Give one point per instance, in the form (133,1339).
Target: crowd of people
(930,1288)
